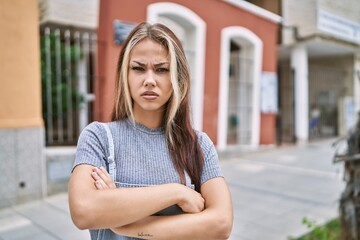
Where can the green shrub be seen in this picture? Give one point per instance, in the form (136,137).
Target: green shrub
(329,231)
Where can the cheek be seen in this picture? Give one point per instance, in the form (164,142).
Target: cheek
(132,88)
(168,87)
(169,92)
(133,84)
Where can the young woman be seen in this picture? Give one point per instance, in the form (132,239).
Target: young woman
(165,182)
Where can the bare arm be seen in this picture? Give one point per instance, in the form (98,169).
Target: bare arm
(215,222)
(91,208)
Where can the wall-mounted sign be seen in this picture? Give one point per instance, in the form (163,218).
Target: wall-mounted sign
(269,92)
(122,30)
(338,26)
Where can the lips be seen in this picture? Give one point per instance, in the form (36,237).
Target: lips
(149,95)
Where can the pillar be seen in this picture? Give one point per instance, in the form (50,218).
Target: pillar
(299,65)
(357,84)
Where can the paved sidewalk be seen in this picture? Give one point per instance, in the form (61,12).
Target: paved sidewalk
(275,189)
(272,191)
(47,219)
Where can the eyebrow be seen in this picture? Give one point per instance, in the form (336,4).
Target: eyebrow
(156,65)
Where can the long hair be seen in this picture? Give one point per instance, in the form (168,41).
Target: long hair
(181,138)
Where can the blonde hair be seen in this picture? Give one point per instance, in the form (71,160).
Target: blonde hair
(180,136)
(179,72)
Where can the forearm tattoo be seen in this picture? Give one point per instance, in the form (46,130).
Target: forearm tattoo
(142,234)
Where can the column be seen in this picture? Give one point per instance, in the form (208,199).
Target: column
(357,85)
(299,64)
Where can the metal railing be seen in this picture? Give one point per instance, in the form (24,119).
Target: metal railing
(68,75)
(240,106)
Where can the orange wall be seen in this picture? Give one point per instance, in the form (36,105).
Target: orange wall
(20,91)
(135,11)
(268,129)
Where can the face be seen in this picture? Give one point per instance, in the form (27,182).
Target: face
(149,78)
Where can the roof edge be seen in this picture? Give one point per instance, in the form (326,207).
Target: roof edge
(255,10)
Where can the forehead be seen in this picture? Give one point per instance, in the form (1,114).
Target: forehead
(148,48)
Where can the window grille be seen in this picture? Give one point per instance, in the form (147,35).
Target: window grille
(68,76)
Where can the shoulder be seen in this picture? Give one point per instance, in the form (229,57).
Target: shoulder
(211,167)
(92,146)
(93,132)
(93,128)
(203,137)
(98,128)
(204,141)
(97,131)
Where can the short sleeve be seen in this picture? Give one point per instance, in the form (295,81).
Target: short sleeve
(92,146)
(211,160)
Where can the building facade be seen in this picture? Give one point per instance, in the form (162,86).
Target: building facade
(68,73)
(231,47)
(319,68)
(21,124)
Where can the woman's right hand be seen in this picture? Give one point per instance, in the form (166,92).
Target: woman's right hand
(102,178)
(191,201)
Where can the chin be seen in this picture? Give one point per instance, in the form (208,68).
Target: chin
(151,108)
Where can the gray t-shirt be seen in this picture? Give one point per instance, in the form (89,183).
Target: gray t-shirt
(141,157)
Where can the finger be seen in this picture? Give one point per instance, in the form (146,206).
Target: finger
(103,184)
(95,176)
(99,182)
(102,173)
(105,176)
(97,179)
(105,173)
(98,185)
(201,203)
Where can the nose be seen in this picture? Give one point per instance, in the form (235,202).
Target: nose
(150,79)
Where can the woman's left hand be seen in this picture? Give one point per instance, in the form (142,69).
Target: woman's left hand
(102,178)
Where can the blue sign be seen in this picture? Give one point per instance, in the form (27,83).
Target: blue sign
(121,31)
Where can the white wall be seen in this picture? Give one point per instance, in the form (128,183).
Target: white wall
(79,13)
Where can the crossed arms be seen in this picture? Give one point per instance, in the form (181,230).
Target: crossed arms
(95,203)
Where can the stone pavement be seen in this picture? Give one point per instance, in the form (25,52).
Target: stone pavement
(272,191)
(47,219)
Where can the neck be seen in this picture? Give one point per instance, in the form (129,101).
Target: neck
(149,119)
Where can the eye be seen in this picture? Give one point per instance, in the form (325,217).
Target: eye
(162,70)
(137,68)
